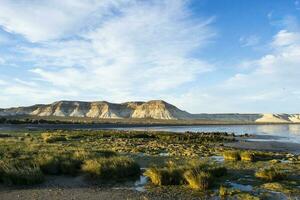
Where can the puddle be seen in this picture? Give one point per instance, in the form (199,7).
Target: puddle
(241,187)
(278,195)
(285,161)
(139,184)
(141,154)
(217,158)
(163,154)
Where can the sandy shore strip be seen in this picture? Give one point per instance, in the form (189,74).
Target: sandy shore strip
(273,146)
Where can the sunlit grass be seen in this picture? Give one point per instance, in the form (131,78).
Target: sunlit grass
(114,168)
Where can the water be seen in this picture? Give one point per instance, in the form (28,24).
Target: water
(139,184)
(241,187)
(276,132)
(283,132)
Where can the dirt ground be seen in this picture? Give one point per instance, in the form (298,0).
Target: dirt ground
(77,188)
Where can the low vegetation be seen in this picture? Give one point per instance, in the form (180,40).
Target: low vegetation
(165,176)
(198,180)
(18,173)
(197,175)
(172,160)
(231,155)
(249,156)
(114,168)
(270,174)
(51,138)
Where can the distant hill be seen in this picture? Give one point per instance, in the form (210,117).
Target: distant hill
(155,109)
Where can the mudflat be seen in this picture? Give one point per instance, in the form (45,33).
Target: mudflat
(272,146)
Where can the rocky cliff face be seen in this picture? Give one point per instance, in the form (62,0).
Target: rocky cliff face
(155,109)
(152,109)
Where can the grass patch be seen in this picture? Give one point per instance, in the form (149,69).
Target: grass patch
(53,137)
(199,175)
(270,174)
(19,173)
(198,180)
(165,176)
(114,168)
(58,164)
(232,155)
(247,156)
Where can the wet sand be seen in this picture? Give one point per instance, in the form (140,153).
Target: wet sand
(272,146)
(76,188)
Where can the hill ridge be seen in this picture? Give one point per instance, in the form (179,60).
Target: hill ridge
(154,109)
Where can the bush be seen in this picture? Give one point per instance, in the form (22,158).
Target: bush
(270,174)
(197,174)
(165,176)
(51,138)
(198,180)
(223,191)
(49,164)
(114,168)
(212,168)
(58,164)
(231,155)
(247,156)
(17,173)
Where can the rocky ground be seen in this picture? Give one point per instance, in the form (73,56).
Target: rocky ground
(147,151)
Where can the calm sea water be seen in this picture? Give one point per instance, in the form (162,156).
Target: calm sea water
(286,133)
(280,132)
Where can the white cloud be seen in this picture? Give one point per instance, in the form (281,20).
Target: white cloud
(141,52)
(46,20)
(146,48)
(284,38)
(272,84)
(2,82)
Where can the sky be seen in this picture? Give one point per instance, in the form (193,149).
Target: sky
(204,56)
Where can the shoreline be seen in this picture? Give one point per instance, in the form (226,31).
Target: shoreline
(269,146)
(138,125)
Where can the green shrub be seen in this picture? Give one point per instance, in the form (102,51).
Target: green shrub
(223,191)
(231,155)
(247,156)
(49,164)
(18,173)
(192,173)
(114,168)
(58,164)
(53,137)
(203,165)
(270,174)
(83,155)
(165,176)
(198,180)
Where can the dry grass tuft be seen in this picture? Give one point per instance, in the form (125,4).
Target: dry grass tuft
(198,180)
(231,155)
(18,173)
(270,174)
(114,168)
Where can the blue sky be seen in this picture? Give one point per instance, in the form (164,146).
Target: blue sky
(211,56)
